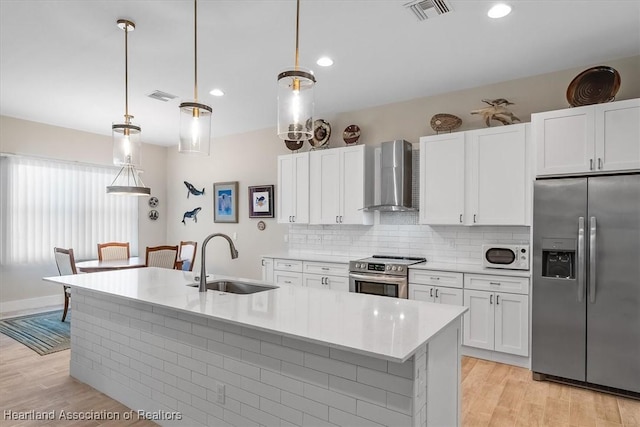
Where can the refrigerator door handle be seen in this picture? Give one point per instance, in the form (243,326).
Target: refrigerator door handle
(592,259)
(581,264)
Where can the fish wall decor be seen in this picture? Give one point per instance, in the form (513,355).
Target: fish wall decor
(193,190)
(497,111)
(191,214)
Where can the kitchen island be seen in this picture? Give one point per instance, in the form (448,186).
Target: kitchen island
(286,356)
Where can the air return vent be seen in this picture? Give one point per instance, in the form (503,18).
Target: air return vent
(425,9)
(161,96)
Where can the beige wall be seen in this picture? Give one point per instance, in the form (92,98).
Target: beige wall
(37,139)
(250,159)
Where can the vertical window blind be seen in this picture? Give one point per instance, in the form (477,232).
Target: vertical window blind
(46,203)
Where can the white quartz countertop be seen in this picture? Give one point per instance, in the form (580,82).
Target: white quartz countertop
(386,328)
(470,268)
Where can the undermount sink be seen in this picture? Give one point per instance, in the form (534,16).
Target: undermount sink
(234,287)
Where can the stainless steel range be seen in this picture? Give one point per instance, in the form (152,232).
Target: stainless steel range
(382,275)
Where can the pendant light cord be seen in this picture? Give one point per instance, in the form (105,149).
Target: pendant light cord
(126,73)
(297,26)
(195,49)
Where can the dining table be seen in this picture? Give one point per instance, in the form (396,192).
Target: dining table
(94,265)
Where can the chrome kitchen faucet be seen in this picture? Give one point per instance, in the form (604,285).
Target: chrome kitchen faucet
(203,258)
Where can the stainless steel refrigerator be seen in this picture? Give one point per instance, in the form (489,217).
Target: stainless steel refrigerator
(586,280)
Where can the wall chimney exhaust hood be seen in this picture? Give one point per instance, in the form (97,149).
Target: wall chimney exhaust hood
(395,178)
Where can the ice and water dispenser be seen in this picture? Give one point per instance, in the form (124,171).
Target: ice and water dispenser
(559,258)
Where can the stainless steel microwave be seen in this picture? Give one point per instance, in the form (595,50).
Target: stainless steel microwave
(513,257)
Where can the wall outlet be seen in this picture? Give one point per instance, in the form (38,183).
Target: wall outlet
(220,397)
(235,236)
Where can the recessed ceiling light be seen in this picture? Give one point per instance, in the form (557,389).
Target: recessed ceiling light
(325,61)
(499,10)
(217,92)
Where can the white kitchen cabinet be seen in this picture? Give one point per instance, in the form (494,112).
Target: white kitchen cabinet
(267,269)
(326,275)
(293,188)
(442,179)
(340,185)
(589,139)
(497,321)
(287,278)
(478,177)
(436,286)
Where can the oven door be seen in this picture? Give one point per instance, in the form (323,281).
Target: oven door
(378,284)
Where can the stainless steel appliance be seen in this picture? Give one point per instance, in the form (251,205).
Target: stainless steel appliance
(513,257)
(586,280)
(382,275)
(395,177)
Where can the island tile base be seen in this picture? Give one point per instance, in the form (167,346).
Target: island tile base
(187,369)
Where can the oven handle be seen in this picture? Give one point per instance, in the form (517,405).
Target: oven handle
(378,278)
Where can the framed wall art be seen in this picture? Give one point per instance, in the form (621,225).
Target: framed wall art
(225,201)
(261,201)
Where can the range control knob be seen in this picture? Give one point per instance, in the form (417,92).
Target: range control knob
(394,268)
(400,268)
(388,267)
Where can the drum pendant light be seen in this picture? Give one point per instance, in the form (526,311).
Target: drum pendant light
(195,117)
(126,137)
(295,98)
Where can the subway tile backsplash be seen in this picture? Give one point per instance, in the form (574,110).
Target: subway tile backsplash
(449,244)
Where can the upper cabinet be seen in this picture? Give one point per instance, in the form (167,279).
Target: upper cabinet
(478,177)
(590,139)
(340,185)
(293,188)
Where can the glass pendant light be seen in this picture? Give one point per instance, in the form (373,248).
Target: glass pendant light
(295,98)
(195,117)
(126,137)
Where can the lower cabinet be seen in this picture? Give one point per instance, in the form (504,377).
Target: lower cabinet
(321,275)
(497,321)
(442,287)
(335,283)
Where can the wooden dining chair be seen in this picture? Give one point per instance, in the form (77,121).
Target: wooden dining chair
(113,250)
(161,256)
(187,255)
(66,264)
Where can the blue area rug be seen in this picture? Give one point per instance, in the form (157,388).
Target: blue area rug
(43,332)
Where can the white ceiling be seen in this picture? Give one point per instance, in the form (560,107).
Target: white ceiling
(62,62)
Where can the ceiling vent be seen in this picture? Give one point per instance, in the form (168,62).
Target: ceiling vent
(161,96)
(425,9)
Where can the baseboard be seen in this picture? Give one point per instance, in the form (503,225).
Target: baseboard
(34,304)
(497,356)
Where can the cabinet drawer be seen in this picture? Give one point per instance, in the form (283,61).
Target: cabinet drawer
(326,268)
(287,278)
(287,265)
(437,278)
(482,282)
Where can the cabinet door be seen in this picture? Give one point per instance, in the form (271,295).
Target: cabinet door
(499,185)
(442,177)
(337,283)
(313,281)
(422,292)
(618,135)
(352,188)
(324,186)
(565,140)
(512,323)
(451,296)
(267,269)
(479,321)
(301,183)
(286,189)
(287,278)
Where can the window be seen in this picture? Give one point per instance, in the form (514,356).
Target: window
(47,203)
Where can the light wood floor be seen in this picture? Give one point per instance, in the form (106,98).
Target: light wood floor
(492,395)
(497,395)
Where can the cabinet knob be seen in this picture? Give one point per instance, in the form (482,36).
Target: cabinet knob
(490,299)
(434,278)
(497,299)
(474,218)
(336,219)
(325,268)
(437,293)
(460,218)
(287,281)
(590,164)
(599,163)
(495,283)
